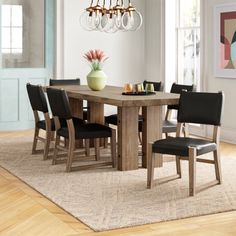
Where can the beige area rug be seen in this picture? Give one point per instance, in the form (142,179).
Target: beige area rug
(107,199)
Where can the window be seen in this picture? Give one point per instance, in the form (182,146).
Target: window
(12,29)
(182,42)
(188,42)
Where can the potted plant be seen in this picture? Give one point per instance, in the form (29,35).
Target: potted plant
(96,78)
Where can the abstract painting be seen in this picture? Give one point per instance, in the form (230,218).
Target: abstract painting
(225,40)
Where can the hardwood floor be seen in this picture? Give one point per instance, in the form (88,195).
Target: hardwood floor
(24,211)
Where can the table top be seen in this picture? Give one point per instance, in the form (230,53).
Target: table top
(113,96)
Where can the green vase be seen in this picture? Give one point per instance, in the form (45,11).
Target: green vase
(96,80)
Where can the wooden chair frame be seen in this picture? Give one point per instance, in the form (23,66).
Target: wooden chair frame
(71,149)
(185,127)
(192,158)
(49,134)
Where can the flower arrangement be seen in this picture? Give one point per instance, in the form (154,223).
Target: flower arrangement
(96,58)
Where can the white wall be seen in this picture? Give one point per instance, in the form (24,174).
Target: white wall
(154,40)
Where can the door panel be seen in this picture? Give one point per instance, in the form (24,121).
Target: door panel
(9,100)
(15,110)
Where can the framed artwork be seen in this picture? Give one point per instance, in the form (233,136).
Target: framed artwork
(225,40)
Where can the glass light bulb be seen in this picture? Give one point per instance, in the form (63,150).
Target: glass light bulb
(137,20)
(97,20)
(91,21)
(118,19)
(132,20)
(127,21)
(85,20)
(104,21)
(110,25)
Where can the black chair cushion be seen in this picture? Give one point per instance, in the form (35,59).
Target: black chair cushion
(113,119)
(87,131)
(180,146)
(85,115)
(58,82)
(178,88)
(200,108)
(42,125)
(169,126)
(59,103)
(37,98)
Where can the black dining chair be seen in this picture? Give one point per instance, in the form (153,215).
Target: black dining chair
(200,108)
(76,130)
(59,82)
(39,105)
(170,126)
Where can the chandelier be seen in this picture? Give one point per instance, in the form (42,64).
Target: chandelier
(111,19)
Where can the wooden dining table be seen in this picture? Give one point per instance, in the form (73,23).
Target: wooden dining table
(128,113)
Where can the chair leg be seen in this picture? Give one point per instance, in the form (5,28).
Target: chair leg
(150,166)
(47,145)
(70,154)
(113,149)
(217,166)
(97,148)
(186,130)
(140,137)
(105,142)
(178,166)
(87,147)
(57,142)
(35,141)
(192,171)
(52,135)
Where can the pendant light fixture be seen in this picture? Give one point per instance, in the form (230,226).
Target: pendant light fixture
(117,17)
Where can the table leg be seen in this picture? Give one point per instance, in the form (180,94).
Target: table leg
(96,115)
(152,131)
(128,138)
(96,112)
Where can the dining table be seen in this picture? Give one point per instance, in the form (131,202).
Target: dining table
(128,118)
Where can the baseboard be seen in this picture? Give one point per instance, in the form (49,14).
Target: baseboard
(228,135)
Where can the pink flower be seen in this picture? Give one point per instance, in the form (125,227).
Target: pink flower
(96,58)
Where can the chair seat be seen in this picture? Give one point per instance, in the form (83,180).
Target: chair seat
(179,146)
(42,124)
(169,126)
(112,119)
(87,131)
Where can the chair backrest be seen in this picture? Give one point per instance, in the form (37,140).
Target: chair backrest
(59,103)
(37,98)
(55,82)
(201,108)
(157,85)
(178,88)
